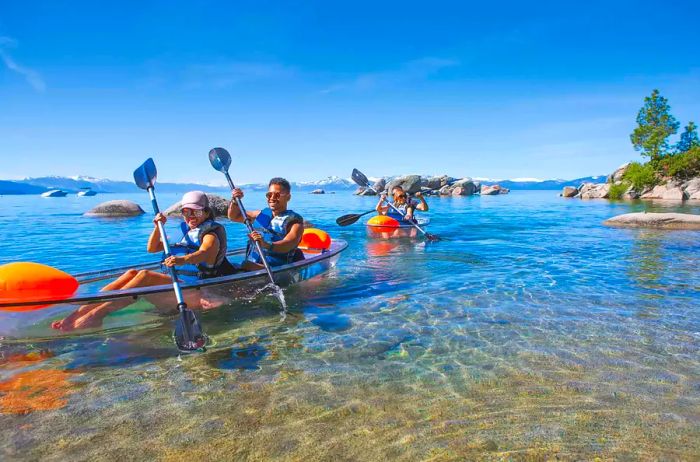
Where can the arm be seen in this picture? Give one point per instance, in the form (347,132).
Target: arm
(234,213)
(381,208)
(423,206)
(154,243)
(206,254)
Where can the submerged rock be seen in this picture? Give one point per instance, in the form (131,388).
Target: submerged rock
(655,220)
(117,208)
(218,203)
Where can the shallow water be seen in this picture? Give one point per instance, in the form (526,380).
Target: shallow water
(534,332)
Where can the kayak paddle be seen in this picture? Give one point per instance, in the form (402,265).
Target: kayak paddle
(361,180)
(220,159)
(188,333)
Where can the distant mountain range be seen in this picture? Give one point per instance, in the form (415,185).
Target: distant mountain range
(331,183)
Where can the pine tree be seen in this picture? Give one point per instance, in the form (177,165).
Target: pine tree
(689,139)
(655,125)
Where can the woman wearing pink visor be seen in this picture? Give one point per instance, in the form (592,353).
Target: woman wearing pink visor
(200,254)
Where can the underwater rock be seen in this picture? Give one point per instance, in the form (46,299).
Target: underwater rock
(655,220)
(117,208)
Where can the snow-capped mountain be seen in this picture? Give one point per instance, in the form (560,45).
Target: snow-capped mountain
(331,183)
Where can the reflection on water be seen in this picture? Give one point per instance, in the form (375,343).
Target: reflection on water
(524,337)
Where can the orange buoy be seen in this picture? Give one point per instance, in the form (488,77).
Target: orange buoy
(383,223)
(27,281)
(315,239)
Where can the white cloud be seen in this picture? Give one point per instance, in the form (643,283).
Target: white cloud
(32,77)
(225,74)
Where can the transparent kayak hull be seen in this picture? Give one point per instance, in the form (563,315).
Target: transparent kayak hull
(222,289)
(404,230)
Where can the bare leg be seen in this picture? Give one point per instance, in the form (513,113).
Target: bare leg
(117,284)
(94,317)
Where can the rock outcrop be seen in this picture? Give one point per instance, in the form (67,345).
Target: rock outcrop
(655,220)
(569,191)
(218,203)
(117,208)
(318,191)
(692,189)
(409,183)
(594,191)
(463,187)
(493,190)
(616,176)
(670,191)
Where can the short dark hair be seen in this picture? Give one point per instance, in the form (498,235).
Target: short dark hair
(280,182)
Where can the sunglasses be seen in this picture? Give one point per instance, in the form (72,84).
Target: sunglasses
(192,213)
(274,195)
(401,196)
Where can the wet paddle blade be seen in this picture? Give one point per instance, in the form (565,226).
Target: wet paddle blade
(188,333)
(220,159)
(347,220)
(359,178)
(145,176)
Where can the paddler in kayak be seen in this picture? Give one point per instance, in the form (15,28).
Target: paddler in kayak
(200,254)
(403,203)
(278,229)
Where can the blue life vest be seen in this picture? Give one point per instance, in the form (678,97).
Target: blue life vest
(191,241)
(275,228)
(403,208)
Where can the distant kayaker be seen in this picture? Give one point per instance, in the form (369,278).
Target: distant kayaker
(200,254)
(278,229)
(403,203)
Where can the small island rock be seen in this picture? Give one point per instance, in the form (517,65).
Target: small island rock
(117,208)
(569,191)
(318,191)
(409,183)
(218,203)
(655,220)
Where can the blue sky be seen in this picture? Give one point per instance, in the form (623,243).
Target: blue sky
(310,89)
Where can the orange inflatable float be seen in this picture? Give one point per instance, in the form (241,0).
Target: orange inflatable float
(315,239)
(25,281)
(383,224)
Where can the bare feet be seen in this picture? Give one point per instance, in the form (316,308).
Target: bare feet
(210,303)
(82,321)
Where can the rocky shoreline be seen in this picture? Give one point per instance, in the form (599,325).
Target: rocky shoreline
(670,190)
(434,186)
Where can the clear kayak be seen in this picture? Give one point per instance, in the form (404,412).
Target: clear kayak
(388,228)
(15,324)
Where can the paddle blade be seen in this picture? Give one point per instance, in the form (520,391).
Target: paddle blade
(145,176)
(347,220)
(359,178)
(188,333)
(220,159)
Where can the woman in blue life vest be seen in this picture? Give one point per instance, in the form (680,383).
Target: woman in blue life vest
(278,229)
(200,254)
(403,203)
